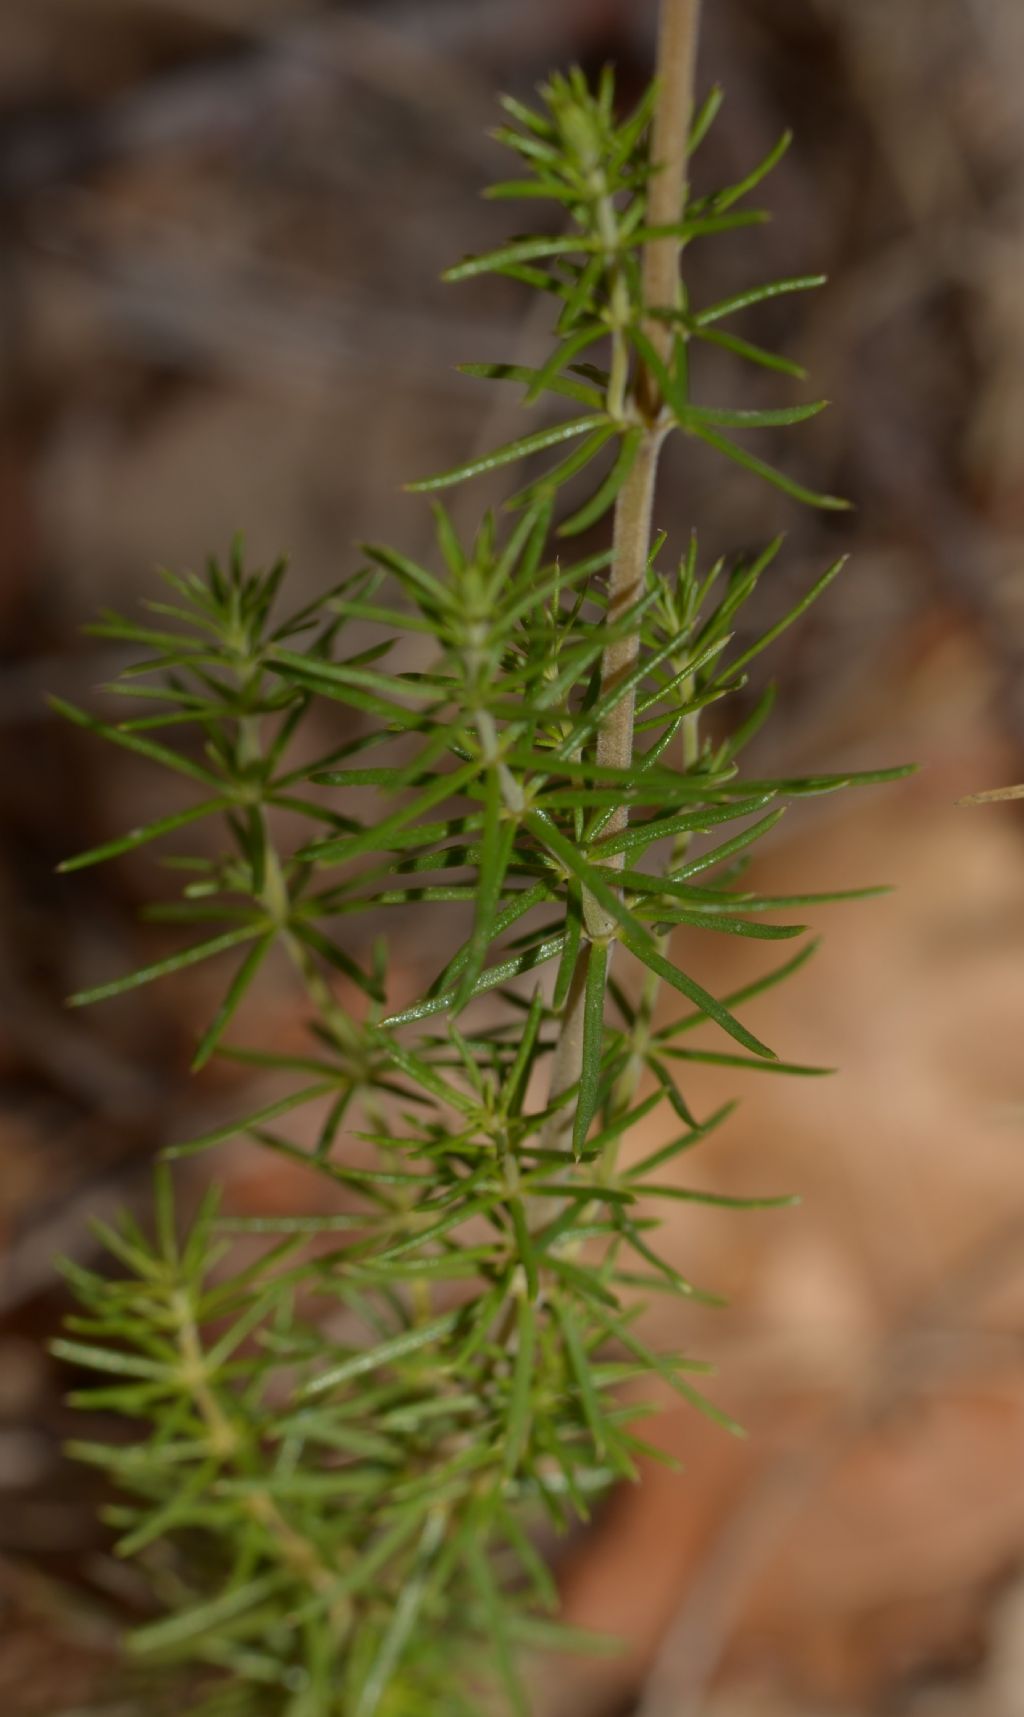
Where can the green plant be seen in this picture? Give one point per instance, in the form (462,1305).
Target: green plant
(350,1423)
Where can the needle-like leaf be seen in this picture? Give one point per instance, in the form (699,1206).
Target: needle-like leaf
(510,454)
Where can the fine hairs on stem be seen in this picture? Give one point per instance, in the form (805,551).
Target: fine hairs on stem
(345,1430)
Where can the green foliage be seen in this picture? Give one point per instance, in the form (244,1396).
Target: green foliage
(349,1424)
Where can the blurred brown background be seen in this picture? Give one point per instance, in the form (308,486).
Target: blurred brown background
(221,227)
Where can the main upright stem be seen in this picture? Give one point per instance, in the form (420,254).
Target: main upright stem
(677,56)
(670,151)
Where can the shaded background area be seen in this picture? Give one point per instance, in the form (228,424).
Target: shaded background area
(221,227)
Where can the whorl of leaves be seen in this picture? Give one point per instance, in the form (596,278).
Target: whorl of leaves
(350,1423)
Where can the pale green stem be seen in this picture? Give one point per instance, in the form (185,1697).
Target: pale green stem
(631,548)
(618,373)
(627,1085)
(225,1440)
(678,34)
(677,51)
(275,897)
(195,1379)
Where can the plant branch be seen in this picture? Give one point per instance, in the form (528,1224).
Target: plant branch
(297,1552)
(677,53)
(369,1485)
(676,71)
